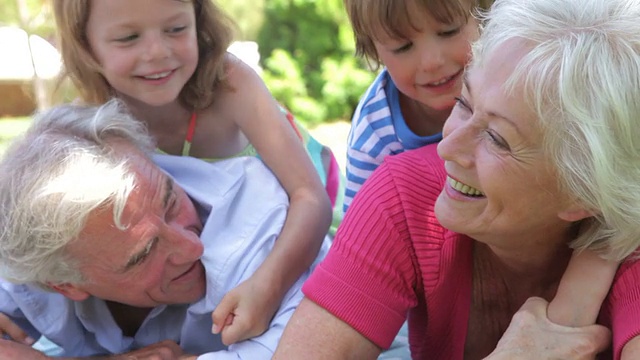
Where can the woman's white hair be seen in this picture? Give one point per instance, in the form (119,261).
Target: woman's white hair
(582,78)
(53,177)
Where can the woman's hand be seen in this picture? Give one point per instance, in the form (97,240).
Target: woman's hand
(532,336)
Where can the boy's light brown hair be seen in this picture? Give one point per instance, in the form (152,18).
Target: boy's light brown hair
(214,31)
(372,18)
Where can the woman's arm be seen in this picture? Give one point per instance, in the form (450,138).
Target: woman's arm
(631,351)
(314,333)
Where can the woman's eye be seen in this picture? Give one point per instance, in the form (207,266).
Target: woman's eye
(497,140)
(460,101)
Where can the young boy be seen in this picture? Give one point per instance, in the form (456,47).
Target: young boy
(424,46)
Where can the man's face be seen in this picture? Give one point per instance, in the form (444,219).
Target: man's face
(156,259)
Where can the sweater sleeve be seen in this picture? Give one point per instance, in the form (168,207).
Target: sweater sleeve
(369,279)
(623,306)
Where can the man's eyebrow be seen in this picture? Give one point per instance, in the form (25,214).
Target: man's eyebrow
(139,256)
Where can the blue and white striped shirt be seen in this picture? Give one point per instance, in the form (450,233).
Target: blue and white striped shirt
(378,129)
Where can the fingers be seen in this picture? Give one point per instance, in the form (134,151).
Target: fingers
(224,313)
(235,332)
(583,288)
(601,337)
(9,329)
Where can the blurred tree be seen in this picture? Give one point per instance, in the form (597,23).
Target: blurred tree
(34,17)
(307,48)
(248,15)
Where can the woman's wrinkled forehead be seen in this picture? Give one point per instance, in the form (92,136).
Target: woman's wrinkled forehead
(397,19)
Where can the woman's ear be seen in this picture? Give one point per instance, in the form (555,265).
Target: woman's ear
(70,291)
(575,212)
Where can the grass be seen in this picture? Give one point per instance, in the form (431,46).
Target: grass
(10,127)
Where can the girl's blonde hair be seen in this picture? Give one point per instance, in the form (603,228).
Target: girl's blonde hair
(214,31)
(373,18)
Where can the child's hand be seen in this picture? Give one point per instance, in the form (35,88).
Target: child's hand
(10,331)
(245,311)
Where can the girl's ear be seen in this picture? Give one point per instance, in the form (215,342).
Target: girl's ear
(71,291)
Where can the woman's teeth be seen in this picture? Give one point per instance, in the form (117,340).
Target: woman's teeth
(464,188)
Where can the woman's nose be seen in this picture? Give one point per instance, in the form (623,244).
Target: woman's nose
(458,141)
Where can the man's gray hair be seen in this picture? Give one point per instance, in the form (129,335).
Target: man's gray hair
(53,177)
(582,78)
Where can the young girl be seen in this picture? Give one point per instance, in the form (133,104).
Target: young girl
(167,60)
(424,46)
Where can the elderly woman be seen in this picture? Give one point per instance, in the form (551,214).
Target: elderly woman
(541,154)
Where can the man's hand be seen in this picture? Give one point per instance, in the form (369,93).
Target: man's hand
(532,336)
(245,311)
(164,350)
(9,330)
(13,350)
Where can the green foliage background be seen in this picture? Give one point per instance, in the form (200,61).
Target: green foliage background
(307,53)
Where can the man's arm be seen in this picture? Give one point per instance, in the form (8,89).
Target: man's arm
(314,333)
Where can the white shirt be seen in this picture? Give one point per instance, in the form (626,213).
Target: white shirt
(245,208)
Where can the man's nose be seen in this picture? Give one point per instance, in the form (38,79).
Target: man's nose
(184,245)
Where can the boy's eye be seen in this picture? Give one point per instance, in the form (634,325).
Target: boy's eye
(450,33)
(404,48)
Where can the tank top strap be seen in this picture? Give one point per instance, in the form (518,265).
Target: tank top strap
(186,148)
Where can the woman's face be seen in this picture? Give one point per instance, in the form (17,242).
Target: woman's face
(500,184)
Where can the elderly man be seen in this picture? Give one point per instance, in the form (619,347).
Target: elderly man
(104,253)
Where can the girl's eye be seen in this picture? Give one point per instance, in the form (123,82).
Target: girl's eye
(404,48)
(497,140)
(128,38)
(177,29)
(460,101)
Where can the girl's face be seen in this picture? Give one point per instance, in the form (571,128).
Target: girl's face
(427,65)
(148,49)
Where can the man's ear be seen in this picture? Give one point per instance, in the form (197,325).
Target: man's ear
(70,291)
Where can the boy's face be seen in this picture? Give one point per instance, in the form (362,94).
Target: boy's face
(427,66)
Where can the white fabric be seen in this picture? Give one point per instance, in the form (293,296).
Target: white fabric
(244,207)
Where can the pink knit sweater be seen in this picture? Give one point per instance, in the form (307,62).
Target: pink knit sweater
(391,260)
